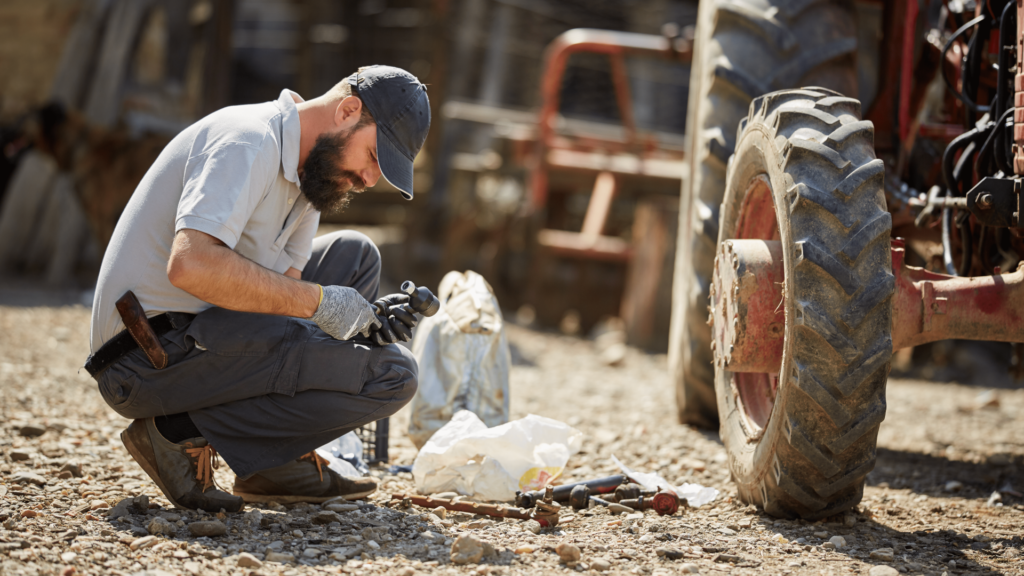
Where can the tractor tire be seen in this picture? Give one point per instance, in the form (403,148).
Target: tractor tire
(816,156)
(743,49)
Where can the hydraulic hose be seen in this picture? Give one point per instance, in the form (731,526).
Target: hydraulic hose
(945,77)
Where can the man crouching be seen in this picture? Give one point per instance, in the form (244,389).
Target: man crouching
(260,347)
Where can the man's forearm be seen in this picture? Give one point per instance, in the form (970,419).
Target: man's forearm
(212,272)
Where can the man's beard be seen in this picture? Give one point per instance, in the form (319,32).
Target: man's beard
(323,182)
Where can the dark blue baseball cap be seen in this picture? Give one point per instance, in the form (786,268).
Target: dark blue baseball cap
(399,104)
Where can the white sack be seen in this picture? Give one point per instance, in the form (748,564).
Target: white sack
(467,457)
(463,358)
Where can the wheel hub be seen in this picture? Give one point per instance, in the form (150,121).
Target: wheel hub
(747,313)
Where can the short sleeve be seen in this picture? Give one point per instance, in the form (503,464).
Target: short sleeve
(300,244)
(222,188)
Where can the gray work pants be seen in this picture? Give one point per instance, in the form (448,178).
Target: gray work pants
(265,389)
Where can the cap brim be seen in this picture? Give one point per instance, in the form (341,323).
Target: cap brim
(394,166)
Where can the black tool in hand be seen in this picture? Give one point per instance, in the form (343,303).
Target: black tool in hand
(396,313)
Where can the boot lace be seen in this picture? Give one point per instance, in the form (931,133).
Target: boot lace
(317,459)
(206,462)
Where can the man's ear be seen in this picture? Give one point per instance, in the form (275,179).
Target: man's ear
(346,115)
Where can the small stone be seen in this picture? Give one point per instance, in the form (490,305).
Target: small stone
(568,553)
(193,568)
(954,486)
(208,528)
(140,504)
(689,568)
(65,475)
(325,517)
(601,565)
(821,534)
(279,557)
(849,520)
(31,430)
(525,549)
(246,560)
(22,455)
(28,478)
(468,549)
(98,505)
(169,516)
(532,526)
(68,557)
(159,525)
(616,508)
(73,467)
(180,554)
(838,541)
(669,553)
(68,571)
(882,554)
(120,509)
(727,531)
(372,544)
(144,542)
(340,507)
(252,519)
(828,546)
(441,512)
(312,552)
(883,571)
(29,513)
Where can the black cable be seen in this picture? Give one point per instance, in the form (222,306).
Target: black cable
(983,153)
(949,85)
(949,155)
(1007,39)
(963,178)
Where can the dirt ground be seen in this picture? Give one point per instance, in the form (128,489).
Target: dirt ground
(945,497)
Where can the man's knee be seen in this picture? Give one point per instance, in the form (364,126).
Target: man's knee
(402,373)
(357,245)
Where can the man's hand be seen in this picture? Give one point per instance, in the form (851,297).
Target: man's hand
(396,318)
(345,313)
(207,269)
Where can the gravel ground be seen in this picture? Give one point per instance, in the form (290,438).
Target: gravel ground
(944,498)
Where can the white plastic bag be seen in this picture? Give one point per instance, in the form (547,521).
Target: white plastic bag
(696,495)
(467,457)
(345,455)
(463,358)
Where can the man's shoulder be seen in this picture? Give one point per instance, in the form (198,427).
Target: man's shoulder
(249,125)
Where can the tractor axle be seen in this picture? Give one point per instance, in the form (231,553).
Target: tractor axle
(747,314)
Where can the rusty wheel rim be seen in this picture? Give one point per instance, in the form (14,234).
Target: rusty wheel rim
(757,221)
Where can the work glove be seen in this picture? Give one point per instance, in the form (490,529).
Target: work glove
(396,318)
(344,312)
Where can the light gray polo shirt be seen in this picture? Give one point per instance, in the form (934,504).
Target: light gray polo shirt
(232,175)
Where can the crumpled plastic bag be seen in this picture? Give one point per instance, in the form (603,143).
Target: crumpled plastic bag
(463,358)
(345,455)
(696,495)
(467,457)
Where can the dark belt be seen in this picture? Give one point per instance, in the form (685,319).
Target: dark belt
(120,345)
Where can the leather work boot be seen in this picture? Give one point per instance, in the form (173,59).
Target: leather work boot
(183,472)
(305,479)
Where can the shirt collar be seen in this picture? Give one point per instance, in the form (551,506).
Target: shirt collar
(291,133)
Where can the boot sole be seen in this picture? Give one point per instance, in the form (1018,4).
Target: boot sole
(147,467)
(291,499)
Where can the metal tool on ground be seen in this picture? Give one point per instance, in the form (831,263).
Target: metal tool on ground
(563,493)
(546,510)
(580,498)
(495,510)
(665,503)
(631,491)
